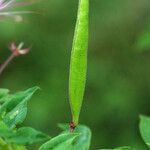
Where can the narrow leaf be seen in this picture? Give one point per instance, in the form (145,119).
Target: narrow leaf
(145,129)
(57,142)
(78,63)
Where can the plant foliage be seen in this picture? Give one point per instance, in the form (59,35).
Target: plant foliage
(78,64)
(13,110)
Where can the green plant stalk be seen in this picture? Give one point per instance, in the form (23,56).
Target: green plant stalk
(78,63)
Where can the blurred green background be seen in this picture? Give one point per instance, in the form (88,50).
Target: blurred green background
(118,79)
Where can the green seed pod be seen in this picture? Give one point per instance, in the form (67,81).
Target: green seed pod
(78,64)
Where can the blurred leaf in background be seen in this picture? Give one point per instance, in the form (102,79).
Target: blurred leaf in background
(142,42)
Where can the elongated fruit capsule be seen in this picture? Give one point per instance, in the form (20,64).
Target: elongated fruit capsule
(78,64)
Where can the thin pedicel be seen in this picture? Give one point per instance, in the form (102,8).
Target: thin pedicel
(16,51)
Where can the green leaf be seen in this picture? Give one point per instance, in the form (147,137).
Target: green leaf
(15,99)
(15,108)
(13,112)
(3,93)
(5,133)
(27,135)
(63,140)
(78,63)
(16,147)
(6,146)
(21,136)
(4,130)
(121,148)
(82,142)
(145,129)
(12,147)
(5,98)
(17,115)
(66,145)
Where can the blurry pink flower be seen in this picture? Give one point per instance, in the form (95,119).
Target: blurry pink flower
(5,4)
(18,50)
(6,8)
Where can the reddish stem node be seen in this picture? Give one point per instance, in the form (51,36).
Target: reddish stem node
(72,126)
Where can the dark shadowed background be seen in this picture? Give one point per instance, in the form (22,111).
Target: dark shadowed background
(118,78)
